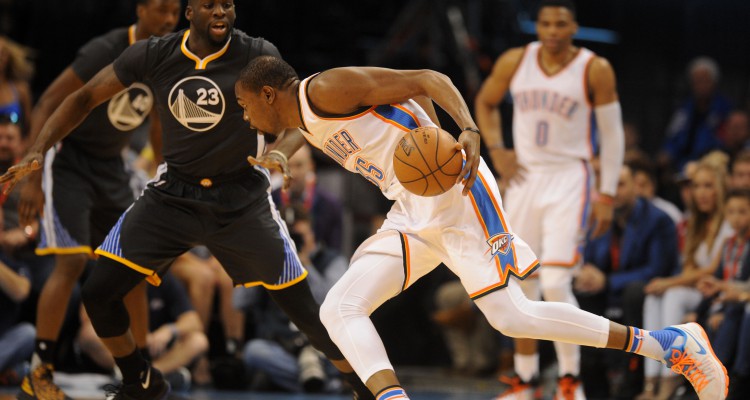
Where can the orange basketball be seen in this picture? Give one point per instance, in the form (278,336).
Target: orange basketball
(426,161)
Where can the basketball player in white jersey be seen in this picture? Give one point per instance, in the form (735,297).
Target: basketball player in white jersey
(556,88)
(357,116)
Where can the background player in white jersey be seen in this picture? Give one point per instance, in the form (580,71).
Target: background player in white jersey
(358,116)
(555,87)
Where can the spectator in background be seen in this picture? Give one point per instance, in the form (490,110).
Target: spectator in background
(740,178)
(645,185)
(304,191)
(641,245)
(16,337)
(737,132)
(669,299)
(697,126)
(737,293)
(15,73)
(280,355)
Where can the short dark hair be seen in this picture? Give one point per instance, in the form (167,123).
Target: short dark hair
(645,166)
(738,193)
(267,71)
(568,4)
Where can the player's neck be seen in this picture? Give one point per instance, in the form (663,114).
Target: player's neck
(553,61)
(202,46)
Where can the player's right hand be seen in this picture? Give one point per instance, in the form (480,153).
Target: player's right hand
(30,163)
(506,165)
(31,201)
(273,161)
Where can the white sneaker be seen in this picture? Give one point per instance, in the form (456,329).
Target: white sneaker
(569,387)
(694,358)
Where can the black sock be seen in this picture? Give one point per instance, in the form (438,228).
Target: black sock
(362,391)
(131,367)
(46,350)
(145,354)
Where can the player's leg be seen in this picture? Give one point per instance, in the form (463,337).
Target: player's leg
(566,196)
(65,232)
(527,219)
(382,267)
(254,247)
(683,348)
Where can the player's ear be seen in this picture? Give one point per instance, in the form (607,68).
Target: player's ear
(189,13)
(268,94)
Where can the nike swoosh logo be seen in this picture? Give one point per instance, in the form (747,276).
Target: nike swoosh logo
(147,382)
(703,349)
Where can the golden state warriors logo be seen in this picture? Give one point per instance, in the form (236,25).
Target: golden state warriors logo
(197,103)
(128,109)
(500,243)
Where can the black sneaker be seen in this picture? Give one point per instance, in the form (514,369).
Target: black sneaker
(152,386)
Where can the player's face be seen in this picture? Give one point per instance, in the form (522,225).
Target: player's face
(257,110)
(704,191)
(213,19)
(159,17)
(555,28)
(737,213)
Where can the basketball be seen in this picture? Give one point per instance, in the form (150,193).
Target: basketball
(426,161)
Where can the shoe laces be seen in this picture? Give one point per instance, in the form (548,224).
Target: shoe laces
(112,392)
(683,363)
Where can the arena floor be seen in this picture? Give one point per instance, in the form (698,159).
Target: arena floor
(422,383)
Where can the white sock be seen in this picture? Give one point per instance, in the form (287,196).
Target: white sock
(651,344)
(526,366)
(392,393)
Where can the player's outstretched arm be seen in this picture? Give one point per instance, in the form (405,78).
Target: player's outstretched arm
(73,110)
(342,90)
(277,158)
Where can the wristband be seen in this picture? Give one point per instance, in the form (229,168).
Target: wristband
(280,154)
(475,130)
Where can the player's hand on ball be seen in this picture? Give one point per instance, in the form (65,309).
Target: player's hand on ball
(274,160)
(30,163)
(468,141)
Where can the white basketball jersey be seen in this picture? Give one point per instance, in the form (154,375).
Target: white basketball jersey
(364,141)
(552,114)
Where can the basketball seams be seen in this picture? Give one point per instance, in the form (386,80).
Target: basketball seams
(433,183)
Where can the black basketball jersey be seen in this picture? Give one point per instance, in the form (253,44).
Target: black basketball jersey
(109,127)
(202,126)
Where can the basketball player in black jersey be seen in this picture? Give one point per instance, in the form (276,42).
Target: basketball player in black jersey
(206,192)
(86,185)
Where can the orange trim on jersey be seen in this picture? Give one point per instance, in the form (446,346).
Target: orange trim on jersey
(407,260)
(277,287)
(201,63)
(586,81)
(131,35)
(151,276)
(65,250)
(406,110)
(564,67)
(513,75)
(564,264)
(532,267)
(389,121)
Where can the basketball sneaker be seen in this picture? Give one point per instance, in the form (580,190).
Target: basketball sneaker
(38,385)
(518,389)
(152,386)
(569,388)
(691,355)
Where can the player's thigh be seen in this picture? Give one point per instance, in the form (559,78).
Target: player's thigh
(68,200)
(524,212)
(255,248)
(113,199)
(382,267)
(566,217)
(151,234)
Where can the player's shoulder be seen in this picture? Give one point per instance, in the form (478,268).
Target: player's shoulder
(510,59)
(116,38)
(260,44)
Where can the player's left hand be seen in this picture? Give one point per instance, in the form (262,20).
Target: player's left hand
(601,215)
(469,143)
(273,161)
